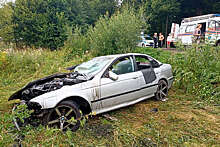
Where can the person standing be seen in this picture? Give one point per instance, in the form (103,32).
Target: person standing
(155,40)
(197,34)
(169,40)
(161,38)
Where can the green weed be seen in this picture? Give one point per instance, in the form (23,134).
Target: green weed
(184,120)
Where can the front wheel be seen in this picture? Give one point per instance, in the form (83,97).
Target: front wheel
(162,90)
(64,116)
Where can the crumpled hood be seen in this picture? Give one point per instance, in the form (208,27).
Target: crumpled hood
(44,85)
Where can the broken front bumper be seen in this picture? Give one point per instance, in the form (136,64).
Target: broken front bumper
(30,106)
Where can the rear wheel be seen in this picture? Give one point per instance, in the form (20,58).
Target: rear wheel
(143,45)
(64,116)
(162,90)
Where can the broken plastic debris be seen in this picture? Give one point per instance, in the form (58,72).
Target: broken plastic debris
(107,116)
(154,110)
(164,100)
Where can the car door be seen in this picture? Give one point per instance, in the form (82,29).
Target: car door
(148,82)
(124,88)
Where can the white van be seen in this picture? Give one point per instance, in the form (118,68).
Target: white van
(210,29)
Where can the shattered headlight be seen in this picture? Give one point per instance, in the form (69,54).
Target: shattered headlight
(34,105)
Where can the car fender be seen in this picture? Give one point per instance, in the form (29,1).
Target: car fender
(165,72)
(51,99)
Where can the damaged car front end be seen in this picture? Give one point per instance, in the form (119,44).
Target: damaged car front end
(60,100)
(39,87)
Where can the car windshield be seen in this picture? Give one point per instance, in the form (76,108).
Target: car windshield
(148,38)
(92,67)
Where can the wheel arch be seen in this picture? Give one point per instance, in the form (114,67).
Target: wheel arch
(83,104)
(164,80)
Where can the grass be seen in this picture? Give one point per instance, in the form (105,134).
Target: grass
(180,121)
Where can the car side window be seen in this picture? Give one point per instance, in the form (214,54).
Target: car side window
(142,62)
(182,29)
(211,26)
(190,28)
(217,26)
(122,66)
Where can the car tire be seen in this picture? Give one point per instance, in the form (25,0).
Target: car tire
(61,116)
(162,90)
(143,45)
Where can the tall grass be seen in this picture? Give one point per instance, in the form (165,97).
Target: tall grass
(198,72)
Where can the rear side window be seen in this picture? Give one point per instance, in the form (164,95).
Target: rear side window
(142,62)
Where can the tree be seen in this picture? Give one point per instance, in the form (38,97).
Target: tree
(76,13)
(160,13)
(97,8)
(43,23)
(6,26)
(40,23)
(134,3)
(191,8)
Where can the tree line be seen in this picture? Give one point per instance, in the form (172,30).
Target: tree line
(46,23)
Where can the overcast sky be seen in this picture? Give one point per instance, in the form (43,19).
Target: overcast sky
(10,0)
(1,1)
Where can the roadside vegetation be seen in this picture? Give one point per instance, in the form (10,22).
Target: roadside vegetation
(189,118)
(110,35)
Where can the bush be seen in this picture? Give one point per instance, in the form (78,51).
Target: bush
(117,34)
(198,72)
(76,45)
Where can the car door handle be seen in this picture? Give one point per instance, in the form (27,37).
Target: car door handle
(134,77)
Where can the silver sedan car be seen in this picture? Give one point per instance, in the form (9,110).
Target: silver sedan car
(99,85)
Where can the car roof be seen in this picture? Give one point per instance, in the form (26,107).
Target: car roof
(128,54)
(121,55)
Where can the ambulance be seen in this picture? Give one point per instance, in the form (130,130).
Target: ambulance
(210,31)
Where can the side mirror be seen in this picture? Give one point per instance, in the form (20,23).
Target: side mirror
(112,76)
